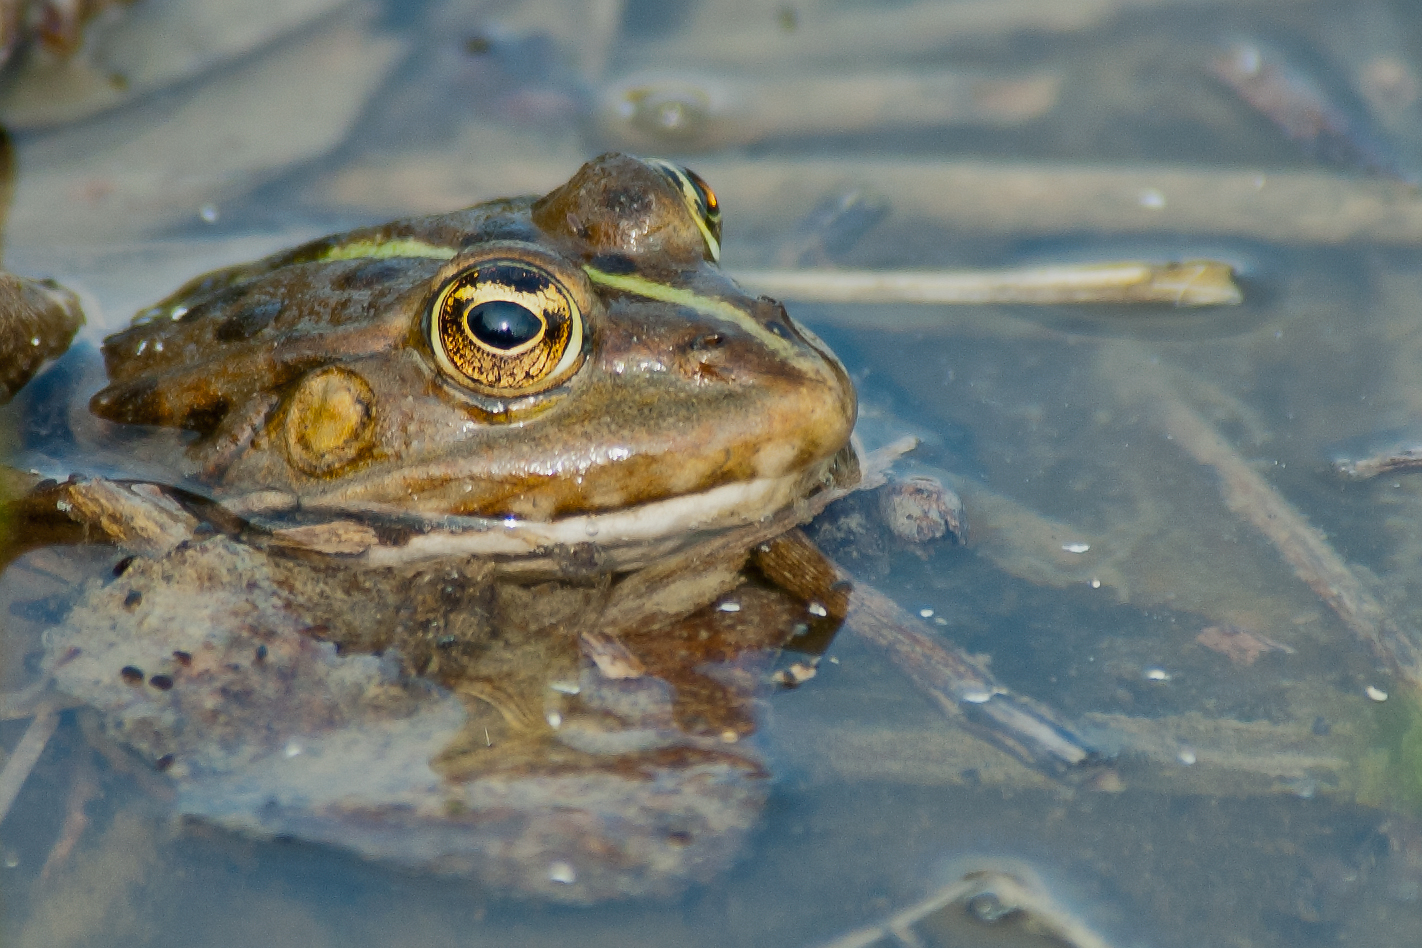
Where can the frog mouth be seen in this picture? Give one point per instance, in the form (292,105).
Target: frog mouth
(377,535)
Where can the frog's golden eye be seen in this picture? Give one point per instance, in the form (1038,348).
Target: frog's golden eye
(506,327)
(702,203)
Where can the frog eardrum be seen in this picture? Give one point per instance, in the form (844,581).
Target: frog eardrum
(506,326)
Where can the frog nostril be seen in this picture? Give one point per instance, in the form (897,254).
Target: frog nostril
(779,329)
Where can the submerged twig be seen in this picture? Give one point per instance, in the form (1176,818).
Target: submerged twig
(993,887)
(1248,495)
(690,112)
(1301,110)
(83,788)
(963,688)
(1190,283)
(26,755)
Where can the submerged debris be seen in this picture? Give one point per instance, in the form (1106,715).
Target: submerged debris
(1303,111)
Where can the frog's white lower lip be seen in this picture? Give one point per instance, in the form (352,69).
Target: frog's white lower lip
(617,540)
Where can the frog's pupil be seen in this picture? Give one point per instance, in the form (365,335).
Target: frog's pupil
(500,324)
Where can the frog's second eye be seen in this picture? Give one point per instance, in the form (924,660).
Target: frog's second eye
(701,201)
(506,328)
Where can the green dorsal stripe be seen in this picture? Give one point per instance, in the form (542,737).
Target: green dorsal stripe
(398,247)
(707,305)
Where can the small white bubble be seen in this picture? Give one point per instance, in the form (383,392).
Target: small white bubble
(1157,674)
(11,861)
(34,340)
(1186,756)
(926,613)
(555,720)
(566,687)
(1377,694)
(1095,584)
(293,749)
(208,212)
(562,872)
(815,609)
(1249,59)
(940,621)
(976,696)
(1152,199)
(1076,547)
(177,312)
(729,607)
(591,529)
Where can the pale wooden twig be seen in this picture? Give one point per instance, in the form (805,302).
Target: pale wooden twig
(25,756)
(1191,283)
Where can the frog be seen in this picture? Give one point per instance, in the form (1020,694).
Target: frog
(477,546)
(467,561)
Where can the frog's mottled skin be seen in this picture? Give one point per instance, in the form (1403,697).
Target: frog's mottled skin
(674,398)
(571,729)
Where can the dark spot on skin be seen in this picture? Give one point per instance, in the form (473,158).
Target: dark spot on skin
(369,274)
(248,322)
(131,675)
(205,418)
(122,565)
(261,654)
(182,658)
(478,45)
(163,763)
(710,340)
(679,838)
(132,600)
(616,263)
(161,682)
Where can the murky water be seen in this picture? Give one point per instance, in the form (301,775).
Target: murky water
(1262,794)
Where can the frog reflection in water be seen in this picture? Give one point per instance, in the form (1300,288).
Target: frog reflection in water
(511,491)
